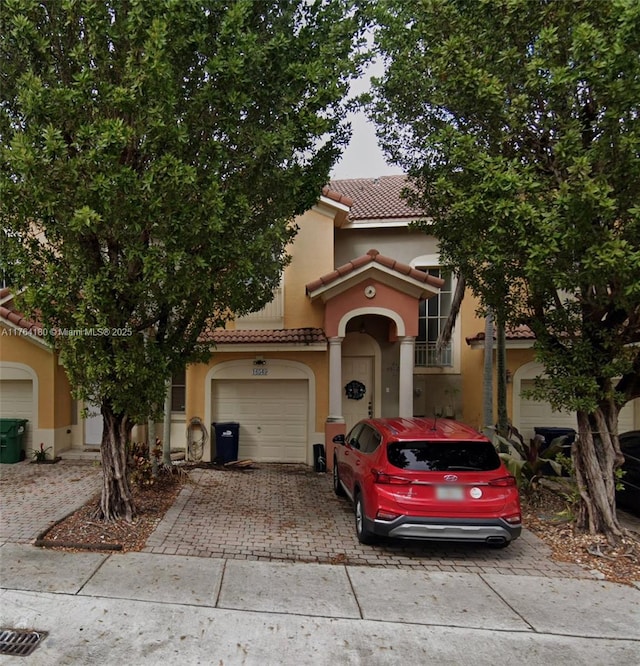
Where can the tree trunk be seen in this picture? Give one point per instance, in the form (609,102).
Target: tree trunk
(166,426)
(116,501)
(487,378)
(151,444)
(501,364)
(596,456)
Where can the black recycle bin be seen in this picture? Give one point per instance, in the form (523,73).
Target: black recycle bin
(549,434)
(319,458)
(227,438)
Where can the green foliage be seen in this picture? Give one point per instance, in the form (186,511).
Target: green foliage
(140,464)
(40,455)
(524,461)
(518,122)
(152,159)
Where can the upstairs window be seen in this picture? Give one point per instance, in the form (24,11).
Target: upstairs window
(432,315)
(178,391)
(271,316)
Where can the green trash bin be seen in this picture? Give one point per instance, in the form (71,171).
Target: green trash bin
(11,435)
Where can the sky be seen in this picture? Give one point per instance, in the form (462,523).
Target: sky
(363,158)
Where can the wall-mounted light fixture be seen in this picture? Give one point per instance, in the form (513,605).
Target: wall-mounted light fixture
(509,376)
(259,361)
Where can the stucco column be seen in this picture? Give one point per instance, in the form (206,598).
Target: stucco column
(405,388)
(335,379)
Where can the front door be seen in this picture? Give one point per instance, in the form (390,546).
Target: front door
(93,426)
(357,389)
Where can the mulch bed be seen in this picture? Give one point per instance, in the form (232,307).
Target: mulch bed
(546,514)
(82,531)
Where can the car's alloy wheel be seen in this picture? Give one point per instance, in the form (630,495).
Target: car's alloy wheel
(364,535)
(337,486)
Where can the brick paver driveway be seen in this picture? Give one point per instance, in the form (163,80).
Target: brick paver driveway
(289,512)
(270,512)
(33,497)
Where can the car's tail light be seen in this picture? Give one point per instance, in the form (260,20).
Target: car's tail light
(382,477)
(387,515)
(503,482)
(514,519)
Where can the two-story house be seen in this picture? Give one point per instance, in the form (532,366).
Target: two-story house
(350,332)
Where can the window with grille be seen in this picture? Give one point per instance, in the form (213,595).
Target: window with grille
(178,391)
(432,316)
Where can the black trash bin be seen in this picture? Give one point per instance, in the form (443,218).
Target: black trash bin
(319,458)
(549,434)
(226,439)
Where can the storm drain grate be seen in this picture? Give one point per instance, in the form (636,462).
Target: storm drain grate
(19,642)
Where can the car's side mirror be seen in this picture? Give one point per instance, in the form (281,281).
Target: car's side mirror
(338,439)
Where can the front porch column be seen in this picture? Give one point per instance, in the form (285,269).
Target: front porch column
(405,388)
(335,379)
(335,421)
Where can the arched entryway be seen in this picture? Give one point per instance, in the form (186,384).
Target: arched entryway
(372,289)
(361,371)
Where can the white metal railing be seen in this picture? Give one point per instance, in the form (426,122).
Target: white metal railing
(426,356)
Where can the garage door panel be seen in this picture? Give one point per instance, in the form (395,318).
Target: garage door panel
(536,414)
(272,415)
(16,402)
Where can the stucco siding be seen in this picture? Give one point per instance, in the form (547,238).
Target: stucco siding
(397,242)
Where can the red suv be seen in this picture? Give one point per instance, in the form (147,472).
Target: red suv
(432,479)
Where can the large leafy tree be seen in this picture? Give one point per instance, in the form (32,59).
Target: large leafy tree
(519,123)
(154,155)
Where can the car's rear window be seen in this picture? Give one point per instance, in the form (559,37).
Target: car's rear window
(443,455)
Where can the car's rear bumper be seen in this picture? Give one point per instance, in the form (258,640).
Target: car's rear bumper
(444,529)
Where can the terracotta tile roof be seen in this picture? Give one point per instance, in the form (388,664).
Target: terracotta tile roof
(517,333)
(373,256)
(336,196)
(375,198)
(11,314)
(284,335)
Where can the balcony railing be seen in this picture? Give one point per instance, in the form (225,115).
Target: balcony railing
(426,356)
(271,315)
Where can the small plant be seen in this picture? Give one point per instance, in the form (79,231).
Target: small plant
(142,470)
(525,461)
(40,455)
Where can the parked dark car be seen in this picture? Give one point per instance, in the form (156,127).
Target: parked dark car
(629,497)
(432,479)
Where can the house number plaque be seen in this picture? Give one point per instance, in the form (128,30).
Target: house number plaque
(260,371)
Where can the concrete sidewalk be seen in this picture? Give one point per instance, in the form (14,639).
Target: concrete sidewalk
(145,608)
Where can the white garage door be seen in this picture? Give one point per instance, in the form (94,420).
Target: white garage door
(534,413)
(272,415)
(16,402)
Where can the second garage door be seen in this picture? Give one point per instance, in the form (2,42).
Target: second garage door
(272,414)
(16,402)
(536,413)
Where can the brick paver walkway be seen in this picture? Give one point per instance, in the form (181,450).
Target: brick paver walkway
(33,497)
(288,512)
(272,512)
